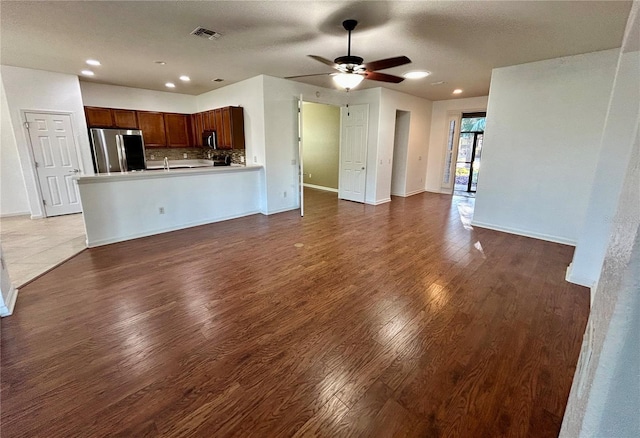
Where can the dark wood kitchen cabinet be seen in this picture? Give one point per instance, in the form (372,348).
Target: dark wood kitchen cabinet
(230,123)
(197,128)
(98,117)
(177,130)
(174,130)
(209,120)
(152,126)
(124,119)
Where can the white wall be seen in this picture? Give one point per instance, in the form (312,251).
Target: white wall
(38,90)
(8,293)
(13,193)
(541,145)
(418,145)
(441,111)
(604,399)
(615,150)
(113,96)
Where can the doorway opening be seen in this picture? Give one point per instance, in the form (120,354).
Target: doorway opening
(469,153)
(320,148)
(400,153)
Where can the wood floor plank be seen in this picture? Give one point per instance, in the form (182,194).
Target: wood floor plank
(355,320)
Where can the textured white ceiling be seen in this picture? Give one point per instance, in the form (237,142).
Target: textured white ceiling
(459,42)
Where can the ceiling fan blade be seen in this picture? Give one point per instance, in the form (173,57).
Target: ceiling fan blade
(305,76)
(324,61)
(383,64)
(382,77)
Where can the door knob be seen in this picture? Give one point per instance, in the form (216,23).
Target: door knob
(362,167)
(74,171)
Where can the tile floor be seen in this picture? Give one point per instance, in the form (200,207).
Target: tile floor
(33,246)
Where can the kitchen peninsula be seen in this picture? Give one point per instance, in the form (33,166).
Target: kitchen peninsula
(127,205)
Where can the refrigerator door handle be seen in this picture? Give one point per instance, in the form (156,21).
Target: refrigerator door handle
(122,156)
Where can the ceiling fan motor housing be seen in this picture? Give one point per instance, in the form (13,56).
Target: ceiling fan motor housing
(348,60)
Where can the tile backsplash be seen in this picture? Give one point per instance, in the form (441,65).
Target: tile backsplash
(155,154)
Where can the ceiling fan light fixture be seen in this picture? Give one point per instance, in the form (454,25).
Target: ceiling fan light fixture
(348,80)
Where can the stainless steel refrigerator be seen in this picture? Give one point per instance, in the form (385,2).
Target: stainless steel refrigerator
(117,150)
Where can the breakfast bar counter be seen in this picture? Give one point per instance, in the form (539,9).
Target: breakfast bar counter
(129,205)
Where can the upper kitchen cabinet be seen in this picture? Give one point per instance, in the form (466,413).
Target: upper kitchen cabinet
(98,117)
(197,127)
(230,127)
(177,130)
(153,129)
(209,120)
(124,119)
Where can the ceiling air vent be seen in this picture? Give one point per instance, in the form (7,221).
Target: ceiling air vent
(206,33)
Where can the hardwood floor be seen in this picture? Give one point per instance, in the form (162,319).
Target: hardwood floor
(394,320)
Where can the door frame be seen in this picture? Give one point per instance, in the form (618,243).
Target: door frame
(456,143)
(31,158)
(316,99)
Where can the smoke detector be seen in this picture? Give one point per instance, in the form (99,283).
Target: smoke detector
(206,33)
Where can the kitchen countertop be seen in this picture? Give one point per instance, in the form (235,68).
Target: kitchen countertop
(162,173)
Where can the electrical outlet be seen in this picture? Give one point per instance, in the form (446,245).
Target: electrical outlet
(242,158)
(161,210)
(293,161)
(285,194)
(153,157)
(420,158)
(255,159)
(309,176)
(185,155)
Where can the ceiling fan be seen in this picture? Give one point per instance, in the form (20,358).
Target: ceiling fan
(352,70)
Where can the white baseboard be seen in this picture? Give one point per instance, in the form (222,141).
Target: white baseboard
(326,189)
(280,210)
(24,213)
(101,242)
(8,307)
(407,194)
(382,201)
(525,233)
(582,281)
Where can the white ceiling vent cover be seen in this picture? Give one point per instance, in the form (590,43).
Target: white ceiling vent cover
(205,33)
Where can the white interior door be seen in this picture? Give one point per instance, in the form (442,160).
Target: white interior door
(353,152)
(300,157)
(56,160)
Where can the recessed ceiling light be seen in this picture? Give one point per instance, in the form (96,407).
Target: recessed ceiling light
(160,62)
(87,72)
(457,91)
(170,85)
(93,62)
(185,78)
(416,74)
